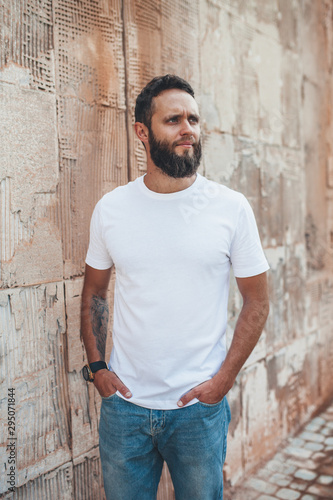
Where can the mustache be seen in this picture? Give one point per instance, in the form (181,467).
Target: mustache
(185,139)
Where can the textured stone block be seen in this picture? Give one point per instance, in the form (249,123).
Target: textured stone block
(324,479)
(312,40)
(31,244)
(55,484)
(91,82)
(246,176)
(261,486)
(218,74)
(280,479)
(88,477)
(312,436)
(298,452)
(220,157)
(85,403)
(32,344)
(26,34)
(305,475)
(290,86)
(268,53)
(287,494)
(256,409)
(298,486)
(330,172)
(76,351)
(315,164)
(314,446)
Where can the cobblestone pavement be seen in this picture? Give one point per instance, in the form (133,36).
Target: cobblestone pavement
(301,470)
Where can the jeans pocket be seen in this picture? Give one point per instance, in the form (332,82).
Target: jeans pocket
(107,398)
(210,405)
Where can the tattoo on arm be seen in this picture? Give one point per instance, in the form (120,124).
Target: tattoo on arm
(99,311)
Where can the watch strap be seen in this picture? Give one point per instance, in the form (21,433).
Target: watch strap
(98,365)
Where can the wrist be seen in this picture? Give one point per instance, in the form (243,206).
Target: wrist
(225,379)
(90,371)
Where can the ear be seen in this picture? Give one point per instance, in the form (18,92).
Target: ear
(141,131)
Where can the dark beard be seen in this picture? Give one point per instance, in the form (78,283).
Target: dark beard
(171,163)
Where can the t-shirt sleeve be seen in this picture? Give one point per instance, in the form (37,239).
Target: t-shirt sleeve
(246,254)
(98,256)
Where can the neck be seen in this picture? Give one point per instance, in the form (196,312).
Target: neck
(156,180)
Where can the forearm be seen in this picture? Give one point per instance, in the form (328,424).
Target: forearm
(94,324)
(249,326)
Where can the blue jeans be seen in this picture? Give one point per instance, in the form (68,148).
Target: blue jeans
(134,442)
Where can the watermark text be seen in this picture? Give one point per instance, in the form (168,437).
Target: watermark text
(11,440)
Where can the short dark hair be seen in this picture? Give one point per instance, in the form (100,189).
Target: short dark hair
(144,101)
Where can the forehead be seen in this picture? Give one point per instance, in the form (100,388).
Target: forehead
(174,101)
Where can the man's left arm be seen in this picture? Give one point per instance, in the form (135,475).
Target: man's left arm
(249,326)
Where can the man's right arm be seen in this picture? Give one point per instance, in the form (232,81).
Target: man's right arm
(94,327)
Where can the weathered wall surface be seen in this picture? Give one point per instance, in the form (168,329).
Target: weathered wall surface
(69,75)
(268,133)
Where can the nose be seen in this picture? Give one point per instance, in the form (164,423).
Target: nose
(187,129)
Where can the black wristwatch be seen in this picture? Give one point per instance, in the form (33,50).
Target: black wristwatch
(88,371)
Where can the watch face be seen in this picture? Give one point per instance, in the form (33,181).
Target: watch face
(85,373)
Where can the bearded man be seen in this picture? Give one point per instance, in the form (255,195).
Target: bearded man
(172,236)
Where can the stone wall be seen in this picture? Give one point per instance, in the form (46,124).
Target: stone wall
(69,74)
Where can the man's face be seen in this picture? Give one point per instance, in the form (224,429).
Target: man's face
(174,134)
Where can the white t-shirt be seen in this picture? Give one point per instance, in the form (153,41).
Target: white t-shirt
(172,254)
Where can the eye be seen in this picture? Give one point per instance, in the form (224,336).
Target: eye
(173,119)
